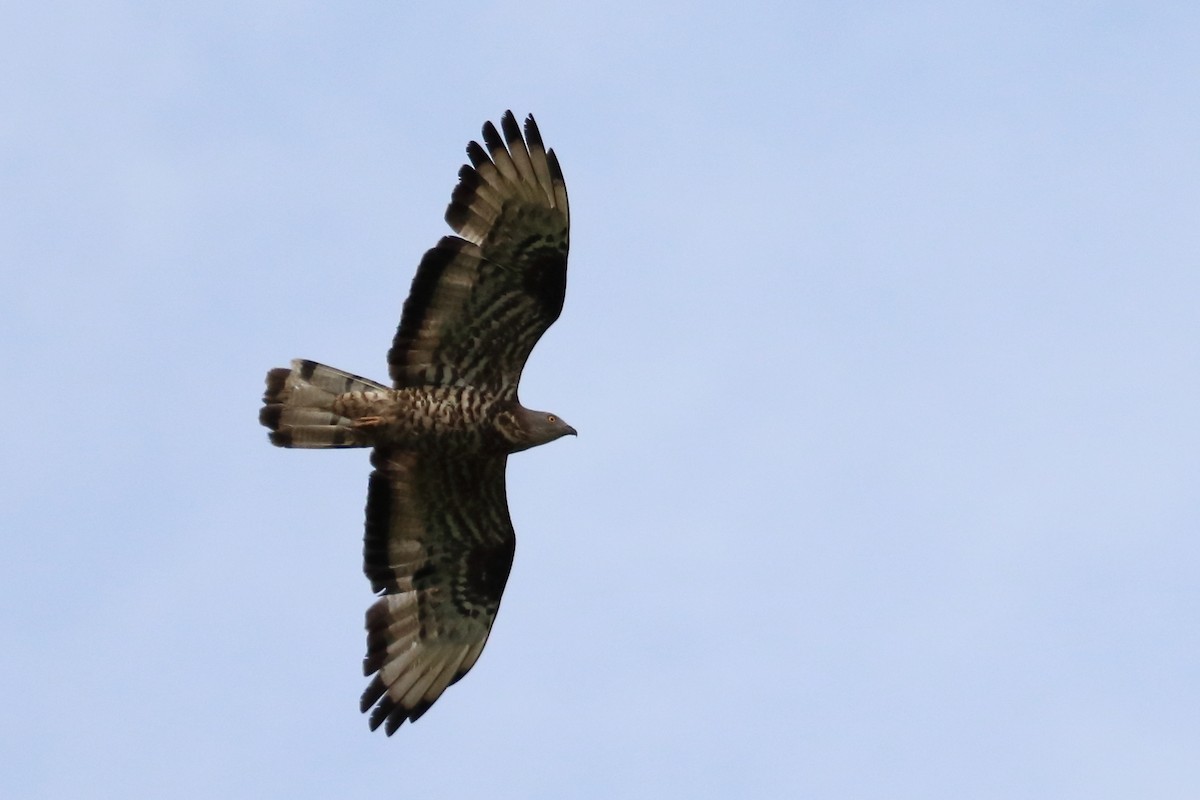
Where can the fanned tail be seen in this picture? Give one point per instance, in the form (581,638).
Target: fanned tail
(298,405)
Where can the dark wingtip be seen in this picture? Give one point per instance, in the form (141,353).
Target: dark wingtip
(512,131)
(370,696)
(420,708)
(555,170)
(491,137)
(388,713)
(395,720)
(532,134)
(477,154)
(378,715)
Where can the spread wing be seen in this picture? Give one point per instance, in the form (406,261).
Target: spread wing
(439,545)
(479,303)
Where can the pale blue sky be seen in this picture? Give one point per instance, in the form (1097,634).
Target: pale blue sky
(881,337)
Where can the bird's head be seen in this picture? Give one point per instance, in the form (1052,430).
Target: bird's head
(538,427)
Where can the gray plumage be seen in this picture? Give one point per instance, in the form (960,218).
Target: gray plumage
(439,543)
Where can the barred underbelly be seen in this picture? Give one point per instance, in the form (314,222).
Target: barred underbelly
(435,417)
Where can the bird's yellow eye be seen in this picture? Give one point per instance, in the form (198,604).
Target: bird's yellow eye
(551,418)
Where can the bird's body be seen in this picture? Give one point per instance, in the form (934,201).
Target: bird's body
(439,544)
(423,419)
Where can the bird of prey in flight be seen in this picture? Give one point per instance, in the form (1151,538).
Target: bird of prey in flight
(439,543)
